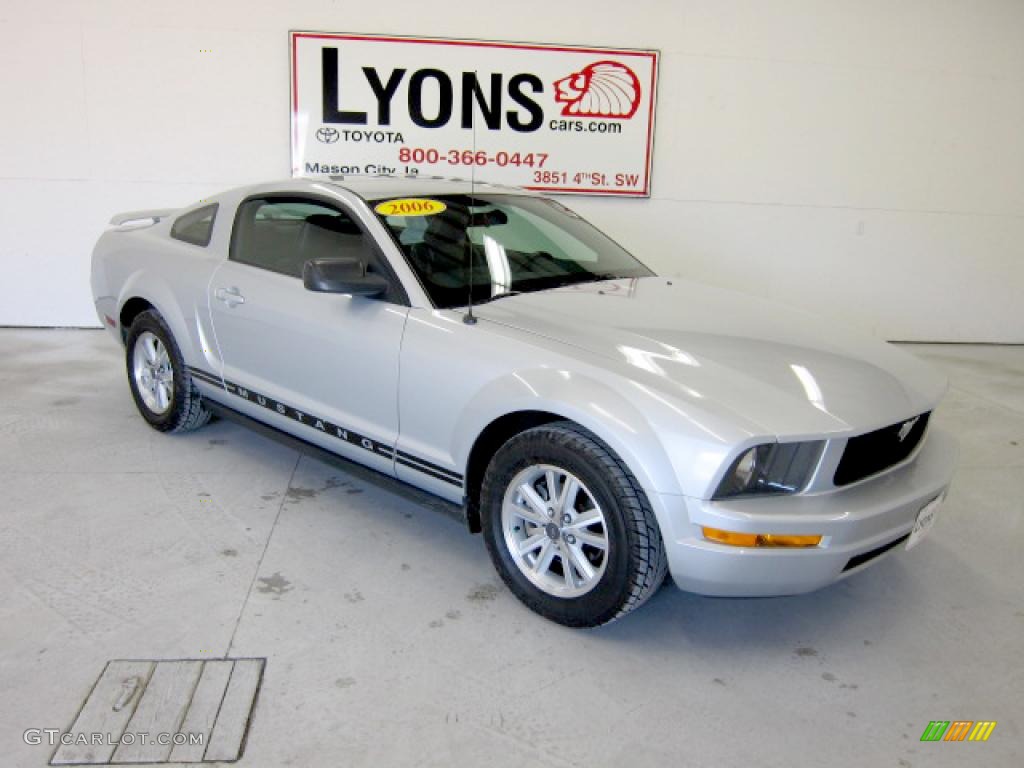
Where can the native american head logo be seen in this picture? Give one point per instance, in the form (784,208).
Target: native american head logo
(601,89)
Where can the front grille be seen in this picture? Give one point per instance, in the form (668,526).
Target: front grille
(869,454)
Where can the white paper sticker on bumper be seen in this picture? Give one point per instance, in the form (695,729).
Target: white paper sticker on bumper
(925,521)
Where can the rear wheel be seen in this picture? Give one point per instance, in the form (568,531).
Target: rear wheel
(568,527)
(160,383)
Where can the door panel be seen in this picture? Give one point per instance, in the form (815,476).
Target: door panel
(321,366)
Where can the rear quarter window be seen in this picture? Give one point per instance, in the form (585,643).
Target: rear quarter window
(195,227)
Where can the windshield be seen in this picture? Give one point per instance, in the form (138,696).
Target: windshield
(509,243)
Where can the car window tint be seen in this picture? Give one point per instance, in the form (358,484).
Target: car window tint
(195,227)
(281,235)
(527,232)
(488,244)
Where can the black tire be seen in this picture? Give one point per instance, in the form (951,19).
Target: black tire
(636,563)
(186,411)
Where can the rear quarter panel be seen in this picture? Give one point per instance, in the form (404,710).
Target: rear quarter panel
(170,274)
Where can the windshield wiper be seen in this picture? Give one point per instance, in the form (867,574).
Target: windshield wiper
(502,295)
(570,280)
(586,278)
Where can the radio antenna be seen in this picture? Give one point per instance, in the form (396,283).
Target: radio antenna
(469,318)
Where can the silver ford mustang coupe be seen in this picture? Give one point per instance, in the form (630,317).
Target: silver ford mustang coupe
(600,425)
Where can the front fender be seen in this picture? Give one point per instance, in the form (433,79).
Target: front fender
(575,397)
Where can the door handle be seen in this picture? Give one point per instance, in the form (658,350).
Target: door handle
(230,296)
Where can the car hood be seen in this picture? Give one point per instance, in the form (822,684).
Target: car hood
(781,371)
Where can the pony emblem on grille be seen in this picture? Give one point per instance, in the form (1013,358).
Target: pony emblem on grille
(906,428)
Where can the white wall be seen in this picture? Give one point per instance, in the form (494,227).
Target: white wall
(860,158)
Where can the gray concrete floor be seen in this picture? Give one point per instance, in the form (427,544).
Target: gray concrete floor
(390,641)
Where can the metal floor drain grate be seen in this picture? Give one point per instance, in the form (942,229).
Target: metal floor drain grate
(181,711)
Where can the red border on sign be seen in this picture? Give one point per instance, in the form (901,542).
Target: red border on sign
(653,55)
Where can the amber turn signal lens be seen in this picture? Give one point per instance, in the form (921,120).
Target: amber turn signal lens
(759,539)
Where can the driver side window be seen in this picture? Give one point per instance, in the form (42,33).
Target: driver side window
(282,234)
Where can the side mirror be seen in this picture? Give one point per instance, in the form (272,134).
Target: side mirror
(342,275)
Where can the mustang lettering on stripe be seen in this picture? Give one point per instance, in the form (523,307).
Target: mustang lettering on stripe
(323,425)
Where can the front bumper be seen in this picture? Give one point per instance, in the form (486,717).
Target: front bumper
(855,520)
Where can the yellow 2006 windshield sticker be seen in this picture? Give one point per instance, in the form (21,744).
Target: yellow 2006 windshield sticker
(409,206)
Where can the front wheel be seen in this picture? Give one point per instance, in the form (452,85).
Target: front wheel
(568,527)
(160,383)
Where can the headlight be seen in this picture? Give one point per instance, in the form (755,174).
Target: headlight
(771,468)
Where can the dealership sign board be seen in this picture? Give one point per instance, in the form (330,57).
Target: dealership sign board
(548,117)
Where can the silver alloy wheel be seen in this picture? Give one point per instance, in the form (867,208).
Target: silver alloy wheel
(154,376)
(555,530)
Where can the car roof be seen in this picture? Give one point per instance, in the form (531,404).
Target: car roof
(386,187)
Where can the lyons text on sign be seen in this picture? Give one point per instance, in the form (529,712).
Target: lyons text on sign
(553,118)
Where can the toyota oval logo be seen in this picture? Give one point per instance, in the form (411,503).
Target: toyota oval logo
(327,135)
